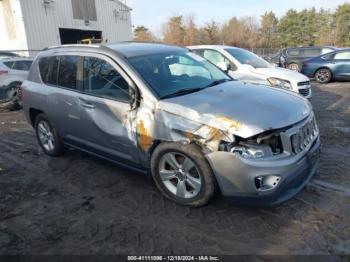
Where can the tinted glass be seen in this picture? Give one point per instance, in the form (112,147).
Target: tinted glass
(248,58)
(68,69)
(22,65)
(48,67)
(172,72)
(9,64)
(311,52)
(102,79)
(293,52)
(342,55)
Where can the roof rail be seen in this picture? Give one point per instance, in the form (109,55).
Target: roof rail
(72,45)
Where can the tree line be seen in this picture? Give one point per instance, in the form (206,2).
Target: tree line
(295,28)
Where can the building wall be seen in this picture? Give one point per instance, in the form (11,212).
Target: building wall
(12,32)
(43,18)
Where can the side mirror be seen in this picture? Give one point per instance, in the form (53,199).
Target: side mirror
(135,97)
(224,66)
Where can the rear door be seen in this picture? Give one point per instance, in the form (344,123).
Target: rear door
(341,65)
(105,107)
(61,79)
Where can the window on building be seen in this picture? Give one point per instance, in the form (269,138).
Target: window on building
(103,80)
(84,10)
(67,74)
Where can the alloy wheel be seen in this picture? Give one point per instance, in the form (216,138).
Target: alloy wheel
(180,175)
(323,75)
(46,136)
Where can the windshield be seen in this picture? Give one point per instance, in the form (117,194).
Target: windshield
(177,72)
(247,58)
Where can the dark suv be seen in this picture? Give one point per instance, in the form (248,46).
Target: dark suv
(293,58)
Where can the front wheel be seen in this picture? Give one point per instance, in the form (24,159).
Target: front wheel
(182,174)
(323,75)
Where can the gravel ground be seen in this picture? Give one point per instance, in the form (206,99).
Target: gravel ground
(78,204)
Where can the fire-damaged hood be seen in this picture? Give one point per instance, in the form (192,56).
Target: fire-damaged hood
(245,109)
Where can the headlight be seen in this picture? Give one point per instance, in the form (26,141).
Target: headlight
(276,82)
(250,151)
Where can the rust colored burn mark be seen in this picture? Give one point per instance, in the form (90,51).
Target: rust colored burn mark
(145,140)
(215,134)
(231,123)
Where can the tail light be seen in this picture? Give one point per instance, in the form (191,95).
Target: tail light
(3,72)
(20,93)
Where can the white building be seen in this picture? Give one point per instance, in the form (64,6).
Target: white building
(36,24)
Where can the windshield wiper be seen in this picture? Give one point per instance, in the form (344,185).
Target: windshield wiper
(184,91)
(218,82)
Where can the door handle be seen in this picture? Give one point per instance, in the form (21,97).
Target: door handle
(86,104)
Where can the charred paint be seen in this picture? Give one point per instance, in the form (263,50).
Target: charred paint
(145,139)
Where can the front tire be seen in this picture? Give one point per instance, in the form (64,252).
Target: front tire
(182,174)
(323,75)
(47,136)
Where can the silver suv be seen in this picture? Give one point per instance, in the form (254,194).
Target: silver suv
(163,110)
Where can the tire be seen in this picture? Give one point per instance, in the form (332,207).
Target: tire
(293,66)
(191,183)
(45,131)
(323,75)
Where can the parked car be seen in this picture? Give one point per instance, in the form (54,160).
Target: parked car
(273,59)
(246,66)
(332,66)
(166,111)
(293,58)
(8,54)
(13,71)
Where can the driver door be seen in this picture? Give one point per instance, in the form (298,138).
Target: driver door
(105,106)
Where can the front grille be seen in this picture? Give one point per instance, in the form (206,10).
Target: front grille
(306,83)
(304,91)
(306,134)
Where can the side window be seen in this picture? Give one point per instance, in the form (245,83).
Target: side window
(9,64)
(310,52)
(216,58)
(67,73)
(22,65)
(48,67)
(293,52)
(102,79)
(342,56)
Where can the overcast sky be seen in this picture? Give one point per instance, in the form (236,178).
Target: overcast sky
(153,13)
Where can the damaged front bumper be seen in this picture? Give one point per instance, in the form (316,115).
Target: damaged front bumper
(239,178)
